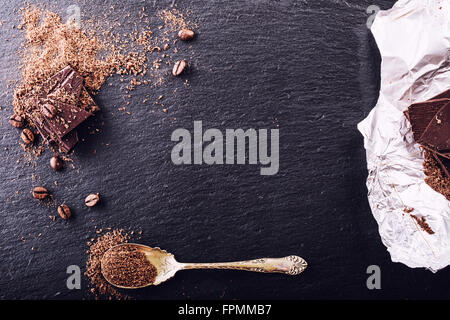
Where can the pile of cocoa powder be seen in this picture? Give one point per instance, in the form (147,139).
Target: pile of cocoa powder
(97,248)
(127,266)
(436,178)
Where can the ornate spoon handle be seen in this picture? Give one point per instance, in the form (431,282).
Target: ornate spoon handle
(291,265)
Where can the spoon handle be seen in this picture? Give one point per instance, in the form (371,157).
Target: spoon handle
(291,265)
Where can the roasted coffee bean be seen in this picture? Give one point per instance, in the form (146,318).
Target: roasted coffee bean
(186,34)
(179,67)
(64,211)
(16,121)
(48,110)
(56,163)
(91,200)
(27,136)
(40,193)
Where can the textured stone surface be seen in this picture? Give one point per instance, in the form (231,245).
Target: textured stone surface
(307,67)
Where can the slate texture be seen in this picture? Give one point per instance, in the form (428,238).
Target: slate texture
(309,68)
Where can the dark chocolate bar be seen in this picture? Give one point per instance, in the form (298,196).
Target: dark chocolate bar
(420,114)
(68,141)
(69,89)
(66,92)
(444,163)
(67,119)
(443,154)
(437,133)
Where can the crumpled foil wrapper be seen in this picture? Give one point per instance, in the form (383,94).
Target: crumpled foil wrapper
(414,42)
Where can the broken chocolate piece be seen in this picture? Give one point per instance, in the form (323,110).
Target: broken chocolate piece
(68,91)
(443,95)
(444,154)
(53,83)
(430,122)
(437,133)
(68,118)
(72,105)
(444,163)
(68,142)
(420,114)
(65,144)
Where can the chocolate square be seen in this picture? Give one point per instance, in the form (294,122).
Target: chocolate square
(437,133)
(420,114)
(67,119)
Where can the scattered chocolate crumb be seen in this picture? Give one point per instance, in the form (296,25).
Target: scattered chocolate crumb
(422,223)
(408,210)
(436,178)
(97,248)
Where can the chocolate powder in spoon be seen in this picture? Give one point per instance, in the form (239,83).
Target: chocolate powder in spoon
(126,266)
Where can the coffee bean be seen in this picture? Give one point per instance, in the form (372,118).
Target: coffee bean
(179,67)
(56,163)
(48,110)
(27,136)
(64,211)
(16,121)
(40,193)
(91,200)
(186,34)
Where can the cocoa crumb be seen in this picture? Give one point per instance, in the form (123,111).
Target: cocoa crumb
(127,266)
(436,178)
(408,210)
(97,248)
(422,223)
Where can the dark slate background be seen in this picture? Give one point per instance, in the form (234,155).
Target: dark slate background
(309,68)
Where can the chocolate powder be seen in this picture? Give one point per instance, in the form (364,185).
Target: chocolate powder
(126,266)
(422,222)
(97,248)
(436,178)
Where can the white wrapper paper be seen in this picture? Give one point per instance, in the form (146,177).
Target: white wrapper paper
(414,42)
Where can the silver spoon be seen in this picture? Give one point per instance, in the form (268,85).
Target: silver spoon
(167,266)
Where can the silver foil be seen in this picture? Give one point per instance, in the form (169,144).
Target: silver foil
(414,42)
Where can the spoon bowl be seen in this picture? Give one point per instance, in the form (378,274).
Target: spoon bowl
(166,265)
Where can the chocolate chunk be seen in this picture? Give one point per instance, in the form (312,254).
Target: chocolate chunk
(68,142)
(443,154)
(69,89)
(443,95)
(53,82)
(72,105)
(42,126)
(420,114)
(68,118)
(437,133)
(444,163)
